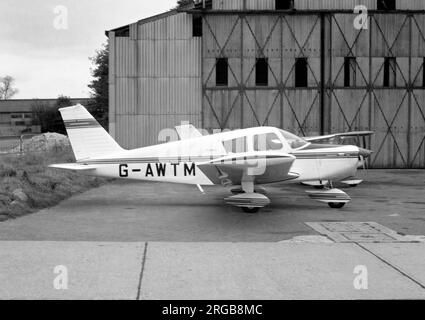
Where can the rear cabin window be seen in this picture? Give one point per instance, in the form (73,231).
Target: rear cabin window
(237,145)
(267,142)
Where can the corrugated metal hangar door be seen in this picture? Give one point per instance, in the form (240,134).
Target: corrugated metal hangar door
(242,102)
(373,79)
(383,91)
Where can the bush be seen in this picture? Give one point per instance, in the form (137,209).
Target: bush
(49,117)
(44,186)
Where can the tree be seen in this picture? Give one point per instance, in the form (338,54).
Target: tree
(6,88)
(48,117)
(184,3)
(63,102)
(99,104)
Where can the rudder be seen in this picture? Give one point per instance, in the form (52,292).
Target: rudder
(88,138)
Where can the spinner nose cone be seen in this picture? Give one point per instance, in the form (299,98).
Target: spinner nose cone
(365,153)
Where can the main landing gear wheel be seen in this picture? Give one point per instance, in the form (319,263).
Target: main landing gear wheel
(250,209)
(249,201)
(336,205)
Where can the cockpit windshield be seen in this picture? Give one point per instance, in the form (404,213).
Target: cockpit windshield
(294,141)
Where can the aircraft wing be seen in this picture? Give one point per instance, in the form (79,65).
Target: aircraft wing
(73,167)
(264,168)
(188,131)
(340,135)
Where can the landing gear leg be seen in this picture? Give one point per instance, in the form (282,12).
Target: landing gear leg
(320,186)
(248,187)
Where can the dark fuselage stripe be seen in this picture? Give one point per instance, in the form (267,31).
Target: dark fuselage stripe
(118,161)
(173,159)
(81,124)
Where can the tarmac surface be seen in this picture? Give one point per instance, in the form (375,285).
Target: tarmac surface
(131,240)
(134,211)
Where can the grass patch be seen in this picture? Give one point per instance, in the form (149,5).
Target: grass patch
(43,186)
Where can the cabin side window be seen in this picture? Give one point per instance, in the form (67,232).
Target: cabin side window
(267,142)
(237,145)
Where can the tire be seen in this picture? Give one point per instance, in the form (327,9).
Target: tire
(250,210)
(336,205)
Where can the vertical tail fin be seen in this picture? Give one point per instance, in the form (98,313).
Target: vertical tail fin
(88,138)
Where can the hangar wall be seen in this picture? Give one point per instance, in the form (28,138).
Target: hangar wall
(155,78)
(175,78)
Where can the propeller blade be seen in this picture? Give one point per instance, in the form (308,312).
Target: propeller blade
(363,162)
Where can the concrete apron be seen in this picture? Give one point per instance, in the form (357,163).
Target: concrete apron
(161,270)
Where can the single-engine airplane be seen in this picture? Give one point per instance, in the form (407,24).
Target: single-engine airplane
(246,158)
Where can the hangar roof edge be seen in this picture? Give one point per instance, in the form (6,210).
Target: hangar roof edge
(146,20)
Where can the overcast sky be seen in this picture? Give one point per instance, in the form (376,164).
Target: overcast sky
(47,60)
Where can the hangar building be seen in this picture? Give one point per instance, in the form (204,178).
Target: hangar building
(301,65)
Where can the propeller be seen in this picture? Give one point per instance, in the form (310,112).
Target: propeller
(363,155)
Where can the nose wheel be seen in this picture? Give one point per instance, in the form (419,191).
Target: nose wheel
(250,209)
(335,198)
(336,205)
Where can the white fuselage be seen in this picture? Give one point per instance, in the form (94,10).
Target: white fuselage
(180,161)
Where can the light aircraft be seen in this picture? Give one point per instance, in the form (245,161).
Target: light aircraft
(246,158)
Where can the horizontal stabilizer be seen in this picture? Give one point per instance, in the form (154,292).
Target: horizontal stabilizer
(73,166)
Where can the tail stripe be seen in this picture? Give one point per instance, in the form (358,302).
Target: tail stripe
(81,124)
